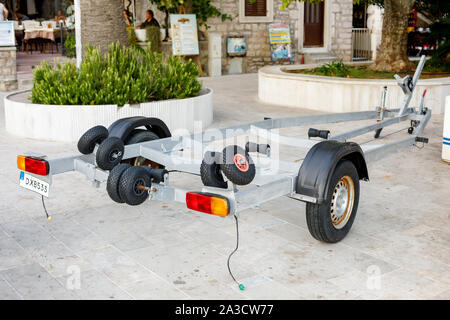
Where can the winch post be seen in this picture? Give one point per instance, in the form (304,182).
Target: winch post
(409,95)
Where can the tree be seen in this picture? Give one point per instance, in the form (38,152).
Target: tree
(167,6)
(394,38)
(392,52)
(440,31)
(203,9)
(102,23)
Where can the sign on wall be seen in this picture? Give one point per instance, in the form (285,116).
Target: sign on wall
(184,34)
(280,41)
(236,46)
(7,37)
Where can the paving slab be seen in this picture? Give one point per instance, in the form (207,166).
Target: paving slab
(93,285)
(34,282)
(12,254)
(7,291)
(116,265)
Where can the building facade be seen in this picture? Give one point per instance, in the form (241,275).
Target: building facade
(319,32)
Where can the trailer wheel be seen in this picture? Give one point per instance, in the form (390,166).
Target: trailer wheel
(130,185)
(90,138)
(109,153)
(210,171)
(141,135)
(112,184)
(237,165)
(331,220)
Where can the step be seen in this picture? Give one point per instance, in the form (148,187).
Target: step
(325,59)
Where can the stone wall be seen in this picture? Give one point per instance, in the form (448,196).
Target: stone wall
(258,49)
(102,23)
(341,29)
(8,73)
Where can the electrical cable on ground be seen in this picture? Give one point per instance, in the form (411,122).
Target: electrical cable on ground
(49,218)
(240,285)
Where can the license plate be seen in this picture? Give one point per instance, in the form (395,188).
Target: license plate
(34,184)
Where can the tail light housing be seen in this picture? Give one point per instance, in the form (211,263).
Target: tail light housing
(208,203)
(33,165)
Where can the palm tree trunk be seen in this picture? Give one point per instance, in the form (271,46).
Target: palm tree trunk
(392,52)
(102,23)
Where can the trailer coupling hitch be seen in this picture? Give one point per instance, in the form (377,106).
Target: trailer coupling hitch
(324,134)
(405,83)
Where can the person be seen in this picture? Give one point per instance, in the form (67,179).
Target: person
(60,17)
(21,17)
(70,18)
(149,21)
(3,12)
(128,17)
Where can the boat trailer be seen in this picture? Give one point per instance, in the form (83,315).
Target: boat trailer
(136,156)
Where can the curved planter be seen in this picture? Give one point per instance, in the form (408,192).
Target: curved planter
(68,123)
(331,94)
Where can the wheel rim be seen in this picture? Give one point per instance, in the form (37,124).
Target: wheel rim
(241,162)
(136,187)
(114,155)
(342,202)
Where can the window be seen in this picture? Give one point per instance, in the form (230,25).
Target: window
(255,11)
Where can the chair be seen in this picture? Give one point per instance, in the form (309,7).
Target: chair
(30,25)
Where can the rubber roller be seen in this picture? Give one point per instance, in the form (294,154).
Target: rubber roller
(255,147)
(318,133)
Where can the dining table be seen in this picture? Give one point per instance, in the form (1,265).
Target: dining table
(47,36)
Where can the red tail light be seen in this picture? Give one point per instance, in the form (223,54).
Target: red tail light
(33,165)
(208,203)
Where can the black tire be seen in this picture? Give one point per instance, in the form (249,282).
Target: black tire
(142,135)
(230,169)
(90,138)
(109,153)
(129,184)
(319,216)
(210,171)
(112,184)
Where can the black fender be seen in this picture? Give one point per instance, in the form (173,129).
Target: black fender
(122,128)
(320,162)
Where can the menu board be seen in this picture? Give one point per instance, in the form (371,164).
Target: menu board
(236,46)
(184,34)
(7,37)
(280,41)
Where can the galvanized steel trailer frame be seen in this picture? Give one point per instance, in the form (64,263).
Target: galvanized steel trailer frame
(270,185)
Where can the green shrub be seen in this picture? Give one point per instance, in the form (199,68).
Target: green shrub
(154,38)
(132,39)
(123,75)
(338,69)
(69,44)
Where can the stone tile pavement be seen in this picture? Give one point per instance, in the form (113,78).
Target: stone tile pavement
(95,249)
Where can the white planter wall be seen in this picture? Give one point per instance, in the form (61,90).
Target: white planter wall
(68,123)
(330,94)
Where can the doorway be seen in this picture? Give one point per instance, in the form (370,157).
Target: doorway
(313,24)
